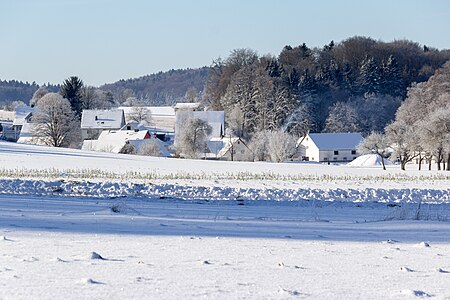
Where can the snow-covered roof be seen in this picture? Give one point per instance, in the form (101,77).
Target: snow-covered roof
(22,112)
(155,111)
(162,117)
(189,106)
(102,119)
(6,115)
(162,145)
(114,140)
(336,141)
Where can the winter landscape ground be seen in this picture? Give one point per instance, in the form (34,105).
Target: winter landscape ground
(77,224)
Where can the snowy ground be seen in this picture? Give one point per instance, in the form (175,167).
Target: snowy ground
(217,230)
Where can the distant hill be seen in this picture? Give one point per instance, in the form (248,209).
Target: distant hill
(163,88)
(14,90)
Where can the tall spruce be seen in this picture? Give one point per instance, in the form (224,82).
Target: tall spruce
(72,91)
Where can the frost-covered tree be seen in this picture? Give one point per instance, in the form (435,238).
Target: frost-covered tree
(375,111)
(150,148)
(240,93)
(192,95)
(259,146)
(55,123)
(132,101)
(94,98)
(13,105)
(191,141)
(402,138)
(343,117)
(298,123)
(281,145)
(375,143)
(38,94)
(426,108)
(435,135)
(392,80)
(370,77)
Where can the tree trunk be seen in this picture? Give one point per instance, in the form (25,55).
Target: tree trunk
(420,162)
(403,164)
(429,164)
(448,161)
(382,162)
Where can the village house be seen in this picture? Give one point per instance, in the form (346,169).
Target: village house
(6,125)
(229,148)
(94,121)
(114,140)
(329,147)
(161,124)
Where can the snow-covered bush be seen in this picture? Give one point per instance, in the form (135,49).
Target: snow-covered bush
(150,148)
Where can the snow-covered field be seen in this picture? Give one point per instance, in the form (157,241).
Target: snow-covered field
(177,229)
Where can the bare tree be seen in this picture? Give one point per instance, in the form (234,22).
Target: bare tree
(94,98)
(375,143)
(55,123)
(140,114)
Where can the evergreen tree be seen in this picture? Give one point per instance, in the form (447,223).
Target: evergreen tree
(72,91)
(369,77)
(392,80)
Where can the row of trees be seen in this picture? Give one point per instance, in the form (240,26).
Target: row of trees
(421,129)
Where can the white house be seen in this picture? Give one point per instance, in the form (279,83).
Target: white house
(94,121)
(329,147)
(227,148)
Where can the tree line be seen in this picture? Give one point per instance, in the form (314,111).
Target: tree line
(355,85)
(421,129)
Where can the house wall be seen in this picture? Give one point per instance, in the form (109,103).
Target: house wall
(309,150)
(341,156)
(90,133)
(240,153)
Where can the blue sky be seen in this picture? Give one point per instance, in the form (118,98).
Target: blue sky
(106,40)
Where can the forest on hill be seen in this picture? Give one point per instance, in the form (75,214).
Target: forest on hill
(162,88)
(355,85)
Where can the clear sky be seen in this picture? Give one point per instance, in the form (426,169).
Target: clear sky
(106,40)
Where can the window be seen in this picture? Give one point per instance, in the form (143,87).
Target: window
(325,158)
(353,152)
(345,158)
(334,158)
(336,152)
